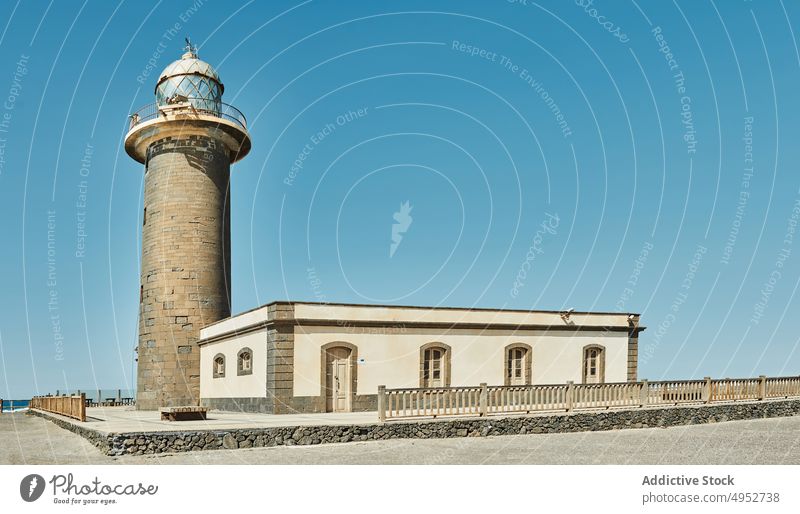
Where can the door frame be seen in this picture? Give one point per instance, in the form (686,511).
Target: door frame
(324,371)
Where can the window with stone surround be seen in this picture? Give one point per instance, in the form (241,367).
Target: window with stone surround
(594,364)
(219,366)
(518,364)
(434,369)
(244,362)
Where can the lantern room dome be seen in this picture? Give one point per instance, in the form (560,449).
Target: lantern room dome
(189,65)
(190,79)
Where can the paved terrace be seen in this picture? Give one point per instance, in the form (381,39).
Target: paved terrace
(128,419)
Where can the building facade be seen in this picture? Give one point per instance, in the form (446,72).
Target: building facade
(289,357)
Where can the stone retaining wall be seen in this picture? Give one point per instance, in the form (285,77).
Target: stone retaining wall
(143,443)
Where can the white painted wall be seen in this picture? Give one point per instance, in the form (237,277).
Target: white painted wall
(391,354)
(477,355)
(232,385)
(236,322)
(399,315)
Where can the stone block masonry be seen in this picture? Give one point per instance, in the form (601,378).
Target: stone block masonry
(185,276)
(147,443)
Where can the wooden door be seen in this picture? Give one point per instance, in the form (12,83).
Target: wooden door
(338,380)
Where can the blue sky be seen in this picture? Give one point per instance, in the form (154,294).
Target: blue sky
(661,135)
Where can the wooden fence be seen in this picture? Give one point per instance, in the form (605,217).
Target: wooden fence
(71,406)
(484,400)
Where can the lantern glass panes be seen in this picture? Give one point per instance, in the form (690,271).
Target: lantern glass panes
(194,79)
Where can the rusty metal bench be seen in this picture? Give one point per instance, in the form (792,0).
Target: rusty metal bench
(187,413)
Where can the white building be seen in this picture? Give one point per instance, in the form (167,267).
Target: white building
(311,357)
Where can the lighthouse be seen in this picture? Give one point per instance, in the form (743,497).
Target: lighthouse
(187,140)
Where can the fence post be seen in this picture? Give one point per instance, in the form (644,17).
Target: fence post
(570,394)
(83,407)
(119,395)
(707,390)
(762,387)
(1,405)
(381,403)
(98,398)
(483,400)
(644,393)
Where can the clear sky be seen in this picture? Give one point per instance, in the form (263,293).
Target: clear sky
(656,142)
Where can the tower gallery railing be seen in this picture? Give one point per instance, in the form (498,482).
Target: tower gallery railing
(220,110)
(485,400)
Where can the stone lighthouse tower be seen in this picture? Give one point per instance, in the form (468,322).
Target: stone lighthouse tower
(187,141)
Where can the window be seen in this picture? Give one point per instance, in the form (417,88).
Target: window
(435,365)
(219,366)
(518,364)
(594,364)
(144,217)
(244,361)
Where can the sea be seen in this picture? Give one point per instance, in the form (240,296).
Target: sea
(19,405)
(91,394)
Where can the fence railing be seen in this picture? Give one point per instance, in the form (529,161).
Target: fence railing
(502,399)
(102,397)
(71,406)
(484,400)
(191,106)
